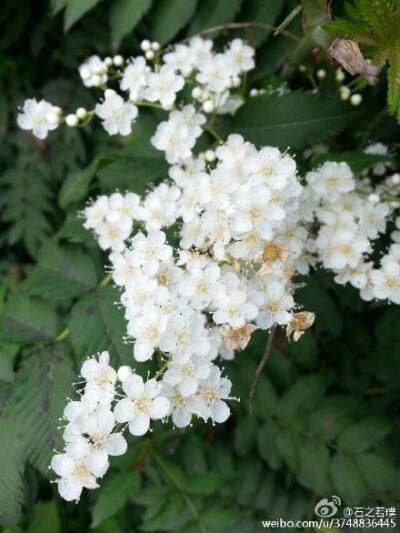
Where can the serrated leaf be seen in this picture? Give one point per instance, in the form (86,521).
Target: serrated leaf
(64,271)
(25,319)
(288,443)
(347,479)
(245,435)
(8,352)
(206,484)
(315,466)
(97,324)
(170,16)
(219,518)
(42,384)
(167,515)
(213,13)
(314,297)
(332,415)
(136,167)
(266,441)
(378,473)
(114,493)
(363,435)
(75,9)
(292,120)
(124,16)
(303,395)
(11,472)
(76,186)
(358,161)
(44,517)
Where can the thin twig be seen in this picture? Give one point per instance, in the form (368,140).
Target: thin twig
(237,26)
(261,364)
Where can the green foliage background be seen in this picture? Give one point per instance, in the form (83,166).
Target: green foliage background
(324,417)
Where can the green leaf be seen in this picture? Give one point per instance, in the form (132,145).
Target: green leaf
(167,515)
(26,319)
(213,13)
(11,472)
(75,9)
(265,12)
(76,186)
(219,518)
(114,493)
(314,297)
(315,13)
(42,384)
(347,479)
(206,484)
(302,396)
(170,16)
(245,435)
(289,445)
(8,352)
(136,167)
(332,415)
(97,324)
(44,517)
(363,435)
(315,466)
(124,16)
(357,161)
(378,473)
(266,441)
(64,271)
(292,120)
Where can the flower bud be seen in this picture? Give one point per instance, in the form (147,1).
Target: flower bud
(145,45)
(208,106)
(71,120)
(81,113)
(118,61)
(149,54)
(356,99)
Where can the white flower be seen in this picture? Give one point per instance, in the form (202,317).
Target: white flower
(126,267)
(209,402)
(100,376)
(186,377)
(38,117)
(331,180)
(255,212)
(74,475)
(82,413)
(116,114)
(215,73)
(234,309)
(122,209)
(181,407)
(151,250)
(160,207)
(201,286)
(134,78)
(113,235)
(162,86)
(273,169)
(185,336)
(147,330)
(181,58)
(144,402)
(240,57)
(386,280)
(175,142)
(96,442)
(275,306)
(96,212)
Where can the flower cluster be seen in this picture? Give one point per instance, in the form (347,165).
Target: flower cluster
(154,79)
(94,424)
(212,253)
(349,222)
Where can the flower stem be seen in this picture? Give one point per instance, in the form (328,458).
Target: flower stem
(106,280)
(261,364)
(212,132)
(64,334)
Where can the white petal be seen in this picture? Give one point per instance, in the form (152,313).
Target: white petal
(124,411)
(116,445)
(97,462)
(133,385)
(220,411)
(69,490)
(159,407)
(62,464)
(140,425)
